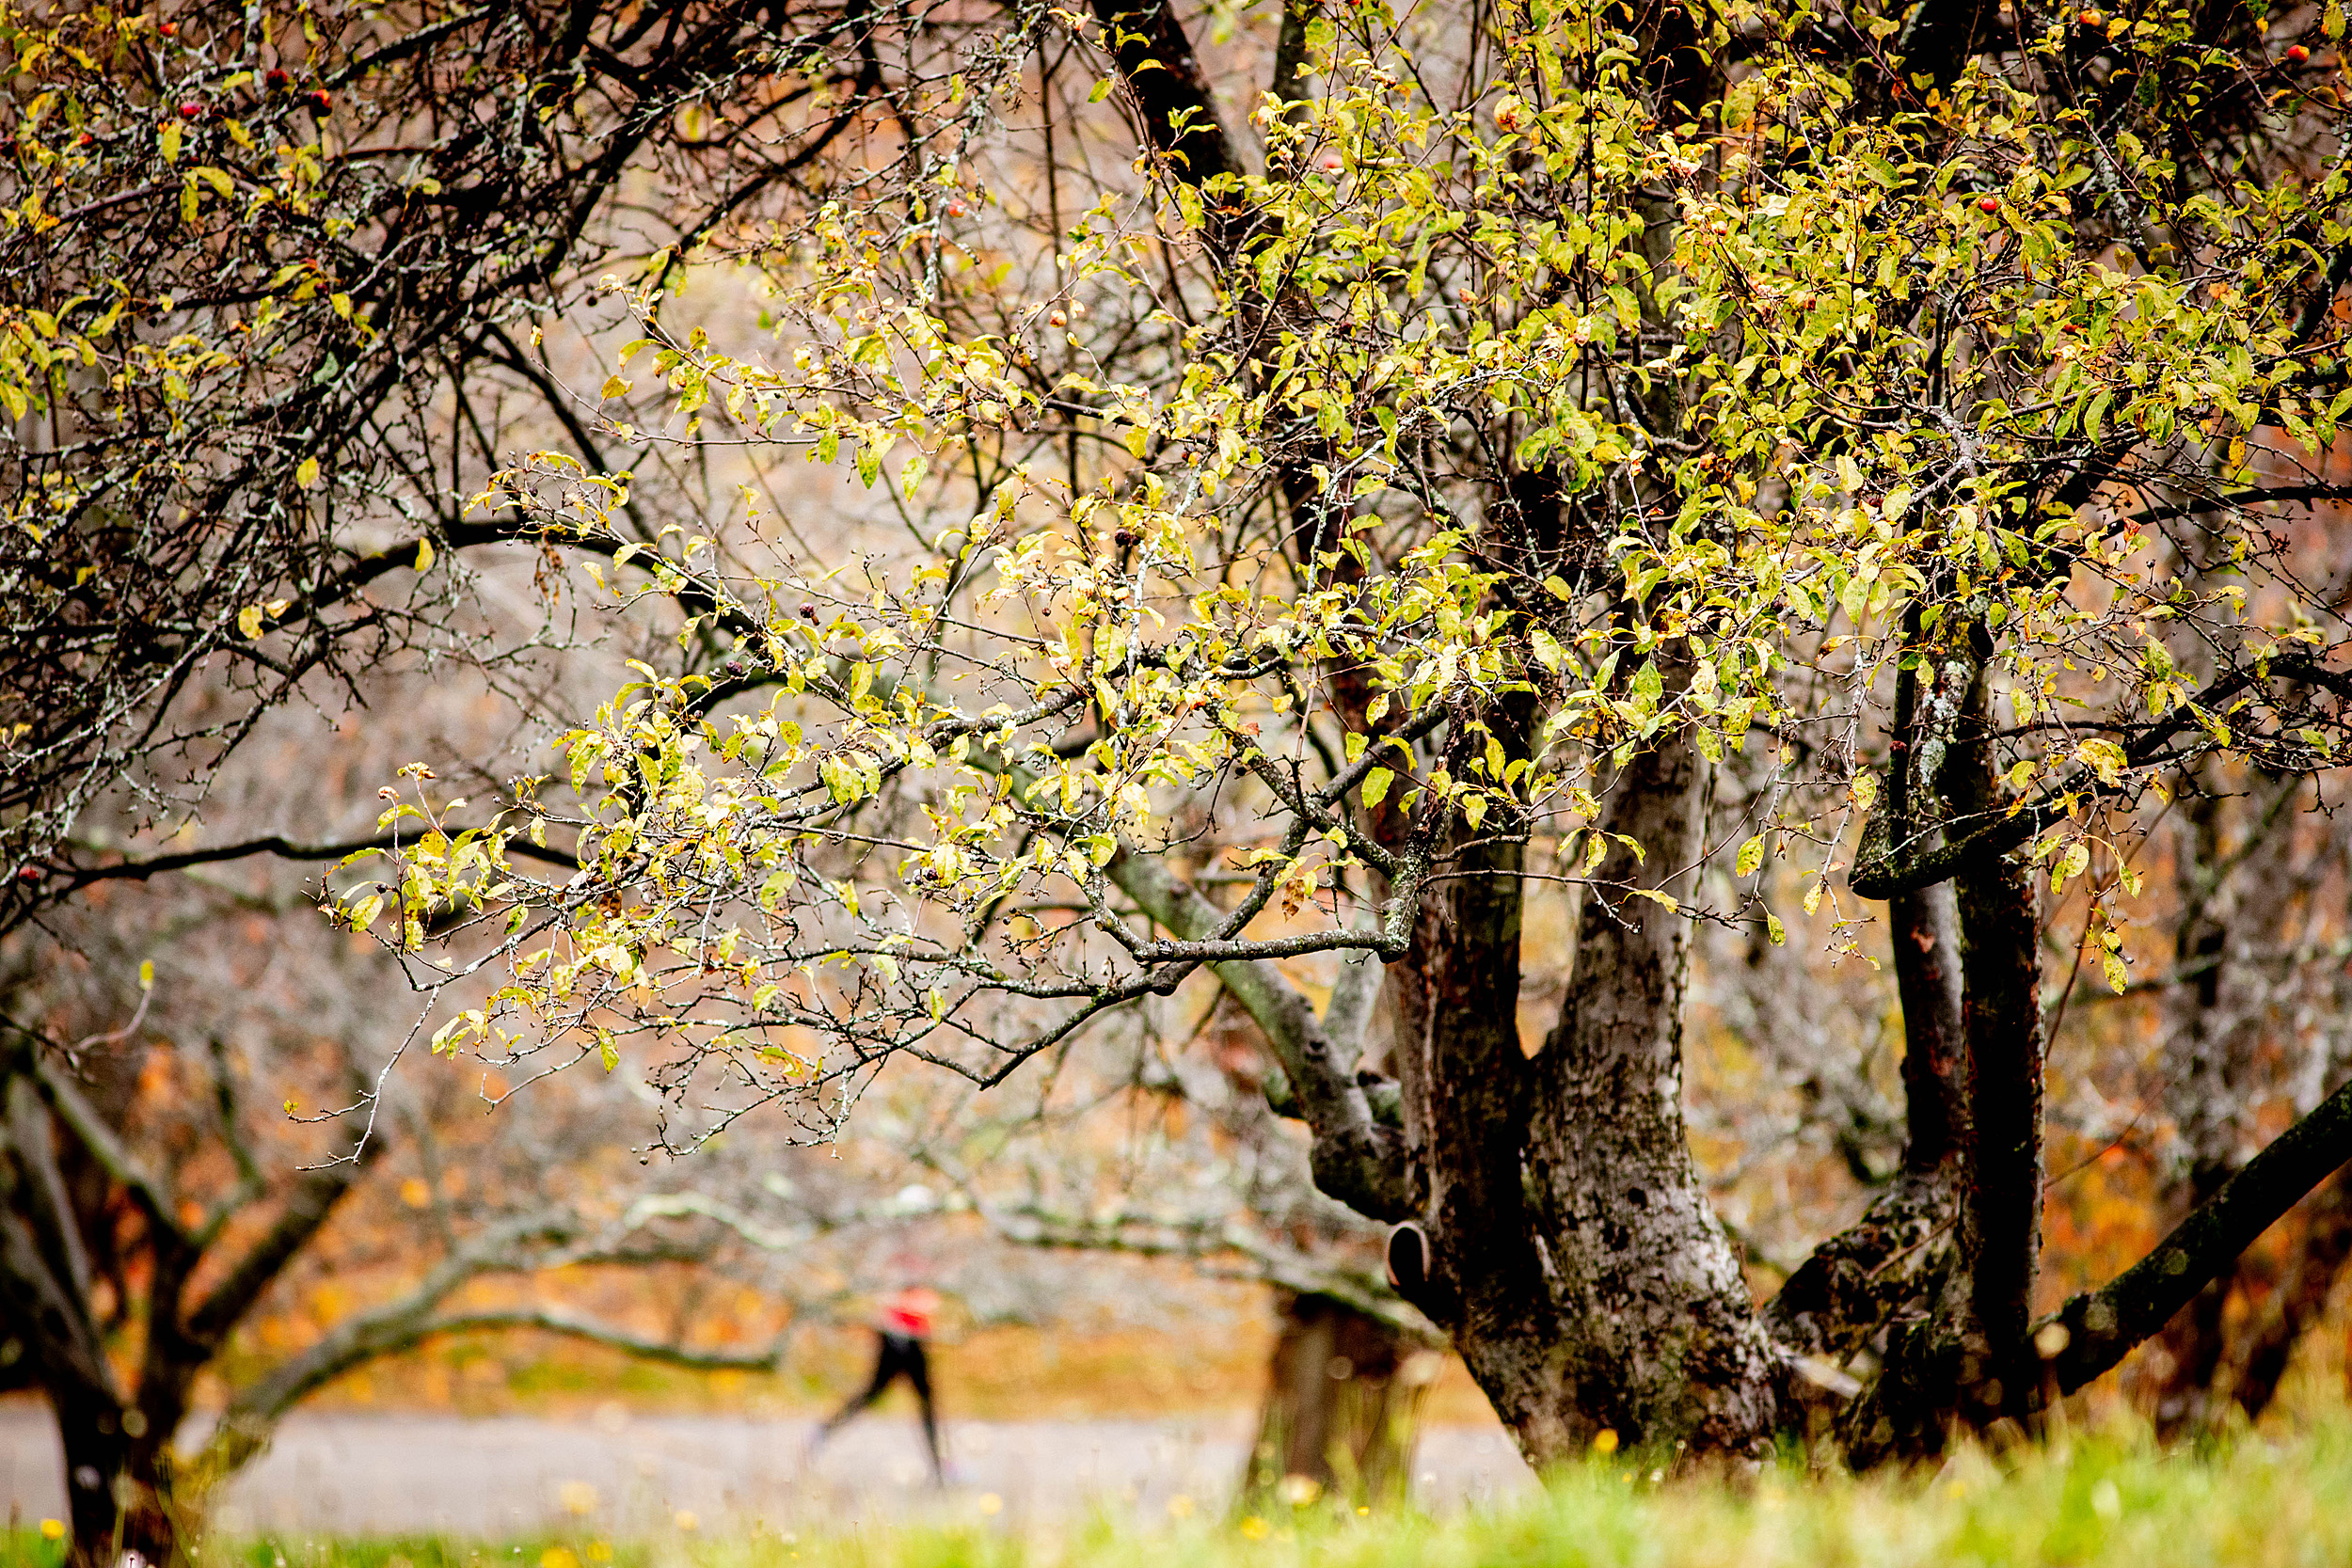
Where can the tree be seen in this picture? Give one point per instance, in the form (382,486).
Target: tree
(270,283)
(1572,400)
(273,279)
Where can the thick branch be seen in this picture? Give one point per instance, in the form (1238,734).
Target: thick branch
(1171,91)
(121,1165)
(2100,1327)
(1354,1160)
(63,1341)
(308,1207)
(1149,1236)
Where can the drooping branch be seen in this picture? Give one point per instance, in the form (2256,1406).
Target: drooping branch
(668,1353)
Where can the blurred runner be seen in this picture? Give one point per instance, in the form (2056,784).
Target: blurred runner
(906,1322)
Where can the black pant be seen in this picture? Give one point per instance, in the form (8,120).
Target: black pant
(899,1355)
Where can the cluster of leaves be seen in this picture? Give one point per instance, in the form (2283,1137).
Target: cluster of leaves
(268,281)
(1471,447)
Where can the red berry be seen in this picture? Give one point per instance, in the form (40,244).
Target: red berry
(169,29)
(319,99)
(30,875)
(1988,204)
(191,111)
(84,139)
(2090,19)
(2296,55)
(278,80)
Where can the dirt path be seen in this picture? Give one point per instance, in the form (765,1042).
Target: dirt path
(349,1474)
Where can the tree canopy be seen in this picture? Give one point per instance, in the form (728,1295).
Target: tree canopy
(1540,419)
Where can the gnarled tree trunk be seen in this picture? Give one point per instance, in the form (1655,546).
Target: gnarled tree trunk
(1571,1247)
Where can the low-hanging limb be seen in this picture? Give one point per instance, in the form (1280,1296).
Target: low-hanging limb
(2095,1330)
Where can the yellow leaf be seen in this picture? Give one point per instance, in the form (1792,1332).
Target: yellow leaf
(1750,855)
(306,472)
(1376,783)
(147,974)
(425,555)
(615,386)
(249,622)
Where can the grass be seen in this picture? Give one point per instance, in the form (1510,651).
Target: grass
(2104,1499)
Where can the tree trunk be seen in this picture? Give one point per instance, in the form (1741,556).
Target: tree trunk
(1574,1254)
(2000,1216)
(1342,1406)
(1883,1283)
(1659,1338)
(2203,1106)
(1887,1274)
(117,1488)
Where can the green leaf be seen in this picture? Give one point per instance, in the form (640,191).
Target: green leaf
(1376,783)
(1750,856)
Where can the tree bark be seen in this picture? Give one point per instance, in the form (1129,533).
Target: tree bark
(2001,1218)
(1343,1405)
(1649,1327)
